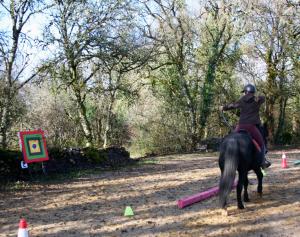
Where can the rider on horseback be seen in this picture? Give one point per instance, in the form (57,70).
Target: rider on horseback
(249,105)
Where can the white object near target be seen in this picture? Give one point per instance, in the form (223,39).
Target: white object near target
(24,165)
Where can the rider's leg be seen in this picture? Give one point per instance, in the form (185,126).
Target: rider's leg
(264,131)
(264,135)
(255,133)
(259,138)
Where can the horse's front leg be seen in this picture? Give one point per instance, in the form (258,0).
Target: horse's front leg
(260,176)
(246,196)
(239,189)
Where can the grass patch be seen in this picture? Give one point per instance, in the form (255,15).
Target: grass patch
(148,162)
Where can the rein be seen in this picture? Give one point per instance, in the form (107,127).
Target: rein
(225,121)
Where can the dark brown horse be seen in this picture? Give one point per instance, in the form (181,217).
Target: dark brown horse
(238,153)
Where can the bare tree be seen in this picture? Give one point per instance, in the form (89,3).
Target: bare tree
(90,48)
(14,60)
(275,26)
(173,33)
(221,31)
(126,55)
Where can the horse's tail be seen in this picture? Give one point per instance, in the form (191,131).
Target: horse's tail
(231,157)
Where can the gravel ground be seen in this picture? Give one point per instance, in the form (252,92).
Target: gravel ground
(94,205)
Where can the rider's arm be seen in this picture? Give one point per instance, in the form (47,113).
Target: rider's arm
(234,105)
(260,99)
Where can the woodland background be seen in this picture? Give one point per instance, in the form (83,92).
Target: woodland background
(148,75)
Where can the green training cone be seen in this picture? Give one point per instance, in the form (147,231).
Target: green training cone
(128,211)
(297,162)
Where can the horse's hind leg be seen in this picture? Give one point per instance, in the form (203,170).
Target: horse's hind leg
(223,202)
(239,188)
(246,196)
(260,176)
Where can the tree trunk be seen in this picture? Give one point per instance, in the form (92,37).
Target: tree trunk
(270,117)
(281,121)
(271,94)
(4,127)
(84,122)
(296,119)
(99,131)
(191,107)
(194,136)
(108,121)
(207,93)
(6,114)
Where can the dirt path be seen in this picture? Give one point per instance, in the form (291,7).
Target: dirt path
(94,205)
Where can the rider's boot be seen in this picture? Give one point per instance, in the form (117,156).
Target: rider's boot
(264,162)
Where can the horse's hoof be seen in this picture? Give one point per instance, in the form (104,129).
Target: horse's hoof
(241,206)
(259,195)
(246,199)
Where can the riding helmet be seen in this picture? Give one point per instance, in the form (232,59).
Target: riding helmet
(249,89)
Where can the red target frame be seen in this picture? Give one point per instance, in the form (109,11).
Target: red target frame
(33,146)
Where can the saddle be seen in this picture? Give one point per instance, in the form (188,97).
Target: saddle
(258,148)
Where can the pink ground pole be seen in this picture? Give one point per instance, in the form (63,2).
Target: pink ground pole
(187,201)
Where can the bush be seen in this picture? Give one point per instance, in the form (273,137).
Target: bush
(115,156)
(61,161)
(10,167)
(212,144)
(75,158)
(94,155)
